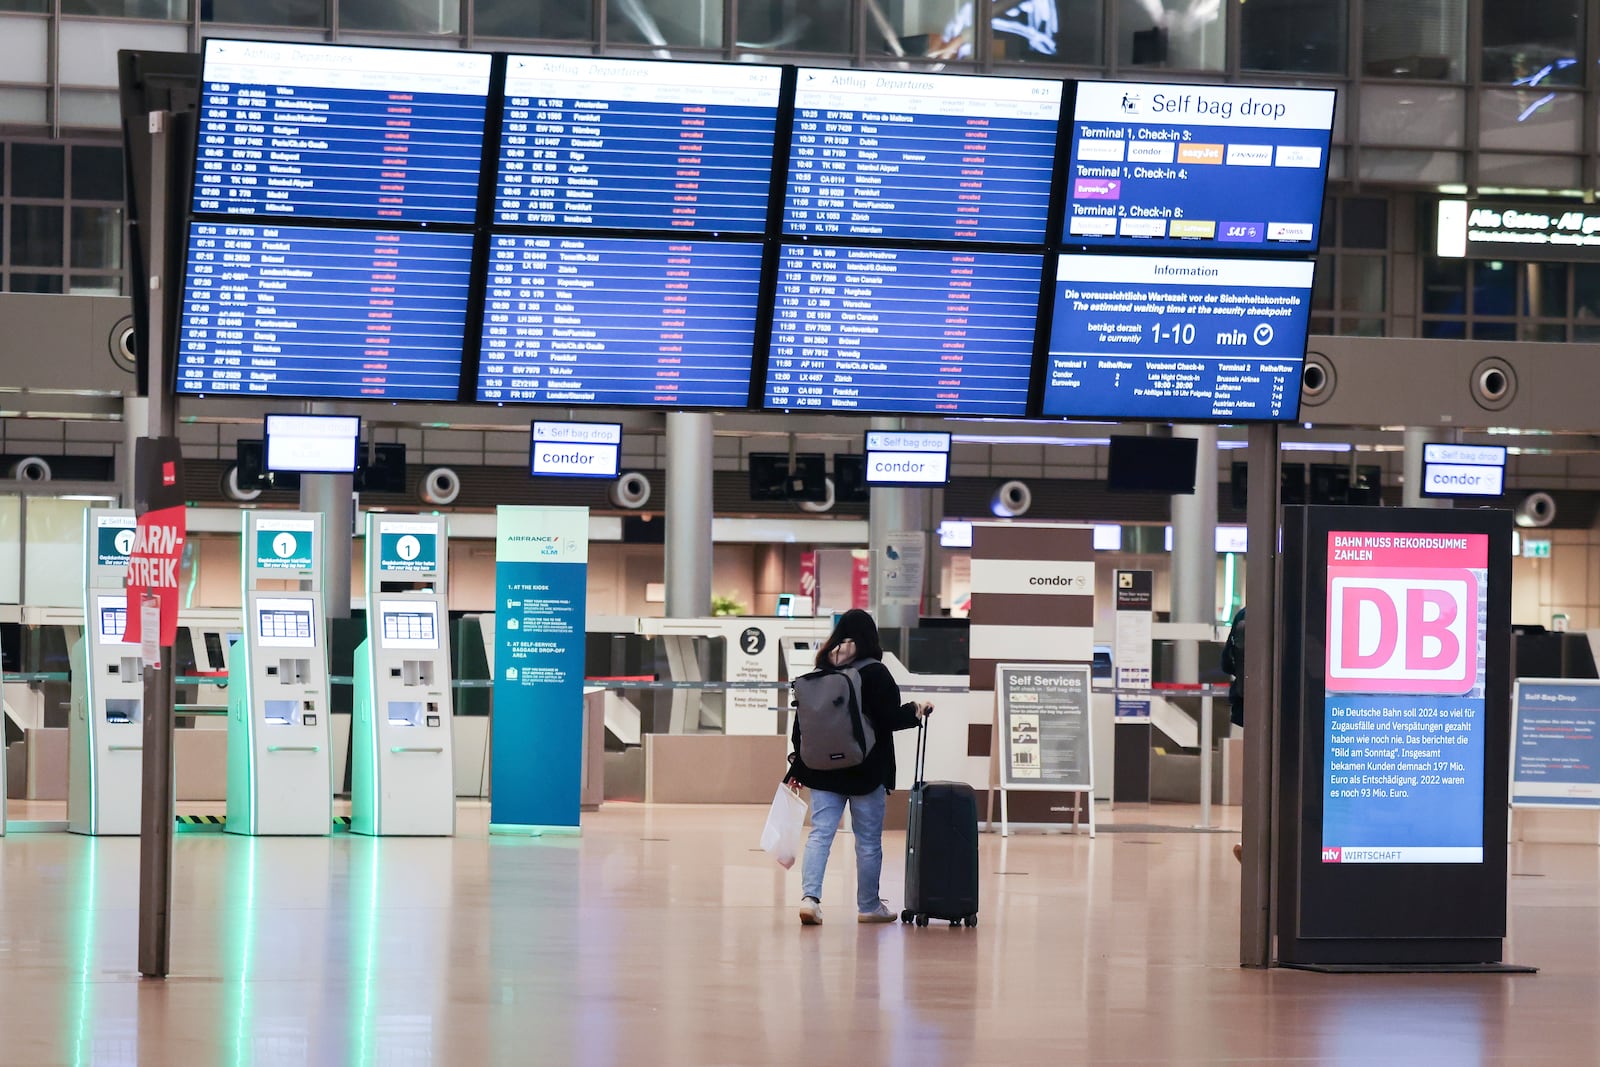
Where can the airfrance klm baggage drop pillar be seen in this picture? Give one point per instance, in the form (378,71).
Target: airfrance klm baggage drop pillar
(279,767)
(403,775)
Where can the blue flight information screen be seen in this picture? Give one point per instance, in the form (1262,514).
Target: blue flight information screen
(1169,338)
(1197,166)
(309,311)
(619,322)
(324,132)
(637,145)
(921,157)
(903,330)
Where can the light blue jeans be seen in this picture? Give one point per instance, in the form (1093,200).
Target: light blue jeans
(866,819)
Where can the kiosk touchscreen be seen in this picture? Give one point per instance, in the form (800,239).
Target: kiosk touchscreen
(279,766)
(105,732)
(402,779)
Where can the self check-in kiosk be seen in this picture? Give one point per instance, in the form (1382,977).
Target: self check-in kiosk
(279,767)
(105,731)
(403,774)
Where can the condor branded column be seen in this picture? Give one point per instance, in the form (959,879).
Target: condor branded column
(105,730)
(403,780)
(279,779)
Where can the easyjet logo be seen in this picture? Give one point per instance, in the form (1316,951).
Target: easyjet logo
(1396,632)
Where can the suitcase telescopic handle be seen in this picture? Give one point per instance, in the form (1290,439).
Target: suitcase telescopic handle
(920,770)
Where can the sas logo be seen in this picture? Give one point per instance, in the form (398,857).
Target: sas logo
(1393,631)
(1332,855)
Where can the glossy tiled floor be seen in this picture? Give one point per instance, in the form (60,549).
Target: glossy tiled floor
(661,937)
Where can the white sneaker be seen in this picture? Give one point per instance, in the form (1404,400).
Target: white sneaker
(880,914)
(810,912)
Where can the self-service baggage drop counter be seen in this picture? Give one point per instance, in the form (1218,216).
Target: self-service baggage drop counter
(403,777)
(105,729)
(279,744)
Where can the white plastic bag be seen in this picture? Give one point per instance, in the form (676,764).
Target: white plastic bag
(785,821)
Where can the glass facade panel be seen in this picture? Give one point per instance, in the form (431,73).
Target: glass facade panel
(1322,283)
(663,23)
(36,283)
(1366,222)
(1586,291)
(90,109)
(424,17)
(1538,43)
(1300,36)
(1414,39)
(1175,34)
(38,170)
(36,235)
(551,20)
(1444,287)
(1542,331)
(909,29)
(37,7)
(1545,289)
(1530,120)
(1494,331)
(1361,283)
(97,238)
(1426,168)
(89,49)
(24,107)
(167,10)
(1412,115)
(96,172)
(1494,288)
(1530,172)
(266,12)
(24,49)
(1066,31)
(793,25)
(95,284)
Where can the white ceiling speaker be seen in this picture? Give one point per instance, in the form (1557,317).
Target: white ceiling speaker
(439,487)
(1012,500)
(631,491)
(31,469)
(1536,509)
(233,490)
(825,504)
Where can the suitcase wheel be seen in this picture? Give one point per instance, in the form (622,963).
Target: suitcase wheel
(905,916)
(922,920)
(954,923)
(972,920)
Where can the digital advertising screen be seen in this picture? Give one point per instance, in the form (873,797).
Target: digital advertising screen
(903,458)
(903,330)
(879,154)
(619,321)
(636,144)
(1167,338)
(575,449)
(326,132)
(1197,166)
(1405,727)
(310,311)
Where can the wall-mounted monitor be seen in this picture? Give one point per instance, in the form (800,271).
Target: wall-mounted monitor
(1151,464)
(1463,470)
(637,144)
(922,157)
(312,311)
(312,444)
(905,458)
(575,449)
(285,622)
(409,624)
(311,131)
(1206,167)
(619,322)
(850,478)
(902,330)
(1169,338)
(111,618)
(802,477)
(382,468)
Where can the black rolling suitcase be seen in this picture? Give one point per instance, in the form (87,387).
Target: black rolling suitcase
(941,849)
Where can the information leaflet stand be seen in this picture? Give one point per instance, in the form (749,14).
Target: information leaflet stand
(1042,719)
(105,732)
(403,776)
(1394,739)
(279,770)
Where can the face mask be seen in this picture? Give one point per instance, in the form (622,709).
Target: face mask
(842,653)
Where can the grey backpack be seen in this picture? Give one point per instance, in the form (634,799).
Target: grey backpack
(834,730)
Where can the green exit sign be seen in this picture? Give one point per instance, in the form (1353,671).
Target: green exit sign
(1535,548)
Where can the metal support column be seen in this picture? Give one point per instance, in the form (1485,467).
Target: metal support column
(1416,437)
(331,496)
(897,511)
(1260,702)
(1194,549)
(689,509)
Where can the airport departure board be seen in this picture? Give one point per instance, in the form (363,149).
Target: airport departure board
(1198,166)
(619,321)
(312,311)
(903,330)
(329,133)
(636,144)
(1173,338)
(921,156)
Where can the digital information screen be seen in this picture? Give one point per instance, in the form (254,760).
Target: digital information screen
(113,611)
(307,311)
(1207,166)
(619,322)
(1463,470)
(283,622)
(1556,755)
(1405,727)
(1171,339)
(895,458)
(575,449)
(409,624)
(638,145)
(312,444)
(903,330)
(923,157)
(323,132)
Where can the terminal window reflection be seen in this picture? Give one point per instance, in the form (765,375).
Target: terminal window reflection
(794,25)
(1536,44)
(266,12)
(426,17)
(1414,39)
(664,23)
(1287,35)
(905,29)
(166,10)
(1175,34)
(550,20)
(1047,31)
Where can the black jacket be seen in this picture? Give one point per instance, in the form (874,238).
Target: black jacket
(880,699)
(1233,664)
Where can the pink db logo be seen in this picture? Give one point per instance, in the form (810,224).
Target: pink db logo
(1392,631)
(1332,855)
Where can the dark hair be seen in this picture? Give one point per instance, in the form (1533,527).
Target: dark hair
(855,625)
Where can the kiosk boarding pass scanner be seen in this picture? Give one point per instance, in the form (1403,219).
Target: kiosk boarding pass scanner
(105,731)
(280,777)
(402,780)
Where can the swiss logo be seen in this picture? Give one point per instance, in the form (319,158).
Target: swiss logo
(1398,631)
